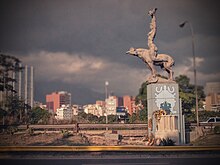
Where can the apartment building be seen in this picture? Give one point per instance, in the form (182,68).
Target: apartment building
(64,113)
(56,99)
(94,109)
(129,104)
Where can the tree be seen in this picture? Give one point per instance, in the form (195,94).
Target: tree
(142,96)
(39,115)
(8,66)
(141,114)
(112,119)
(15,109)
(187,94)
(132,118)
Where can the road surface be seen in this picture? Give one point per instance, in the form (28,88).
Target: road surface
(117,161)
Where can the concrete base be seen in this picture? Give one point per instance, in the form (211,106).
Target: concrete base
(164,96)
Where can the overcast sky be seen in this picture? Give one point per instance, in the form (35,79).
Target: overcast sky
(77,45)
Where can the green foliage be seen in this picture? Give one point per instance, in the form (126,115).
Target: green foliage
(141,115)
(101,119)
(142,95)
(39,115)
(217,129)
(167,142)
(11,130)
(112,119)
(187,94)
(9,106)
(132,118)
(8,64)
(90,118)
(14,109)
(65,133)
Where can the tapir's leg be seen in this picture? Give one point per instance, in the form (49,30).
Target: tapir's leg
(170,72)
(153,71)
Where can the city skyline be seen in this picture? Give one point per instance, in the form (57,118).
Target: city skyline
(77,46)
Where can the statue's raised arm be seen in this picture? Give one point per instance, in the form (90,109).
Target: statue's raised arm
(151,35)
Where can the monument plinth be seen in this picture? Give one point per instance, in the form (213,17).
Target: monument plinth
(164,111)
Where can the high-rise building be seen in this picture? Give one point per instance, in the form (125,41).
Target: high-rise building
(212,91)
(111,104)
(24,85)
(129,103)
(56,99)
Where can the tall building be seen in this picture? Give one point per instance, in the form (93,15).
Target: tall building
(129,103)
(212,91)
(111,103)
(56,99)
(25,84)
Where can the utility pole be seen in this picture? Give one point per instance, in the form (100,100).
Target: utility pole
(106,97)
(194,69)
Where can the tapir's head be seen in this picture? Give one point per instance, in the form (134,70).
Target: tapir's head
(132,51)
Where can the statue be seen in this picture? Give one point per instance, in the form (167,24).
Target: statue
(150,55)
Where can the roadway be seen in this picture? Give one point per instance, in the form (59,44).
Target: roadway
(126,160)
(130,155)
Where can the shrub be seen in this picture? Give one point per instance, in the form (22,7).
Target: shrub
(217,129)
(65,133)
(167,142)
(11,130)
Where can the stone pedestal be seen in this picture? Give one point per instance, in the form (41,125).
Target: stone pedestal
(165,118)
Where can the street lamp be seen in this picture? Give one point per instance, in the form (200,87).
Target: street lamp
(194,67)
(106,96)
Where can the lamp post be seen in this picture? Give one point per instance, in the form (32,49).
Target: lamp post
(194,68)
(106,96)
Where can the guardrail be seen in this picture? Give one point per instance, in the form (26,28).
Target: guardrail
(96,126)
(80,126)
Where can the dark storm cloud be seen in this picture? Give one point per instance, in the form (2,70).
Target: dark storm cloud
(104,30)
